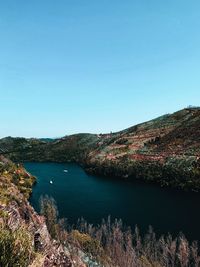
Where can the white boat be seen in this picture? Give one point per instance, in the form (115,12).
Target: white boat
(65,170)
(51,182)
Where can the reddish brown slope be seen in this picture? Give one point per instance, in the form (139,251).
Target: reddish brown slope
(165,150)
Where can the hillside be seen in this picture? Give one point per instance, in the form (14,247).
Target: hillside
(68,148)
(165,150)
(24,237)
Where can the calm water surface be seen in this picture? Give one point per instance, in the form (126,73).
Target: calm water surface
(80,195)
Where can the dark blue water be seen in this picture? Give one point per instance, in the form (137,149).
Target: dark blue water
(80,195)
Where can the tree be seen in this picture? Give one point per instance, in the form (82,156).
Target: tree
(49,210)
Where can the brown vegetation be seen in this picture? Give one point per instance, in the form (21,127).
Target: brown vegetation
(111,244)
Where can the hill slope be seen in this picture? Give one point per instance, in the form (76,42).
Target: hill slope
(165,150)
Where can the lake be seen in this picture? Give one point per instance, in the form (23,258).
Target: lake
(81,195)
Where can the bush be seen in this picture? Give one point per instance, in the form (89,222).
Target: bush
(15,247)
(86,242)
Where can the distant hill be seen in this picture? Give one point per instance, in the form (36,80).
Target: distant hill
(48,139)
(165,150)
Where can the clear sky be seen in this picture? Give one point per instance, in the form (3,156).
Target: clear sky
(70,66)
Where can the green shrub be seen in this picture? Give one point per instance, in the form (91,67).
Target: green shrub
(87,243)
(16,247)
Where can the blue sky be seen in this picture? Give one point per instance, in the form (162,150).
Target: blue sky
(72,66)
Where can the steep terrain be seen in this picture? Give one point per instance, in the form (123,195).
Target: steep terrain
(165,150)
(24,238)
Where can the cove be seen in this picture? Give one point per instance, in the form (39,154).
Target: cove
(78,194)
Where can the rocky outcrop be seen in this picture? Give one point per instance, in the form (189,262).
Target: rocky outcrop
(17,213)
(23,214)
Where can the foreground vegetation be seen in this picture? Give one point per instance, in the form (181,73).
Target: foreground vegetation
(24,238)
(16,248)
(111,244)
